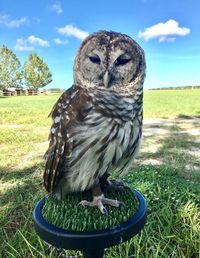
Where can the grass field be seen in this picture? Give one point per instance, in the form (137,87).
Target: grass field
(171,188)
(171,103)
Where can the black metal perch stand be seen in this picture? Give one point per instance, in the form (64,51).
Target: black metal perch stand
(91,243)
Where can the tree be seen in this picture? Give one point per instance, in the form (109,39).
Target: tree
(36,72)
(10,69)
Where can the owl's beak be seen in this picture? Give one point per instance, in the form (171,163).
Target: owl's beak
(106,79)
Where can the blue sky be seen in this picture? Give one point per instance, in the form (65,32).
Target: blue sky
(168,31)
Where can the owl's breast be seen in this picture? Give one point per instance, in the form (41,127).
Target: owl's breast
(99,144)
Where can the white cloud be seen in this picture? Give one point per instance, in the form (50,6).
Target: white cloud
(30,43)
(21,45)
(167,39)
(5,20)
(70,30)
(165,32)
(57,8)
(60,41)
(37,41)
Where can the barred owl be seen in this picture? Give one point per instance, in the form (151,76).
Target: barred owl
(97,123)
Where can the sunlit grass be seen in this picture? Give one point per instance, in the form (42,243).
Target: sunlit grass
(157,104)
(171,103)
(15,143)
(27,109)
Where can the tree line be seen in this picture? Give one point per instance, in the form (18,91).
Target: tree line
(178,88)
(33,74)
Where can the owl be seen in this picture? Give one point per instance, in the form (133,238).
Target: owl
(97,123)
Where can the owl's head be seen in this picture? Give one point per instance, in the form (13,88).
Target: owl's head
(110,60)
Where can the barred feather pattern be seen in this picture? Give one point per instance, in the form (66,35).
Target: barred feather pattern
(94,131)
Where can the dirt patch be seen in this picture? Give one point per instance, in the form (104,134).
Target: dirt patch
(151,161)
(156,133)
(36,154)
(192,168)
(194,132)
(194,151)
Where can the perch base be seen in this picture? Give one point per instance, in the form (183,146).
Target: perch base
(91,243)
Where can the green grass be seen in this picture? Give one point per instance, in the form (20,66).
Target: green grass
(24,123)
(173,204)
(157,104)
(31,110)
(171,103)
(59,213)
(171,189)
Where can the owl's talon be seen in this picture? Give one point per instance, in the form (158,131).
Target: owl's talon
(114,203)
(100,201)
(85,203)
(81,203)
(104,211)
(113,185)
(122,203)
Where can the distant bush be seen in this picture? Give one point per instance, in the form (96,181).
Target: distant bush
(55,90)
(177,88)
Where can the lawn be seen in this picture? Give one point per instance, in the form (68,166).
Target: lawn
(171,186)
(171,103)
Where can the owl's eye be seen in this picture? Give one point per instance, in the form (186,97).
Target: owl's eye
(122,61)
(95,59)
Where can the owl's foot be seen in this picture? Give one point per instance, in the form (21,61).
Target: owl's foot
(116,185)
(99,201)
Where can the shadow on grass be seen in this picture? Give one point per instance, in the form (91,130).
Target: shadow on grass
(20,182)
(21,189)
(173,210)
(194,120)
(172,192)
(173,151)
(183,116)
(7,174)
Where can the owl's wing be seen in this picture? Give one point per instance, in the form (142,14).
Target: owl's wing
(72,107)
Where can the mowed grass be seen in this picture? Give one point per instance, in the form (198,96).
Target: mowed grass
(171,103)
(28,110)
(172,191)
(24,126)
(34,110)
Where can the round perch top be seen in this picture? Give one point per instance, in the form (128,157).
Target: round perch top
(69,214)
(65,224)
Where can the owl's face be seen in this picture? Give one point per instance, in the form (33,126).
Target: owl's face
(108,59)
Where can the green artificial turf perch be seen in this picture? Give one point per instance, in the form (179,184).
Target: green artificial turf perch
(69,215)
